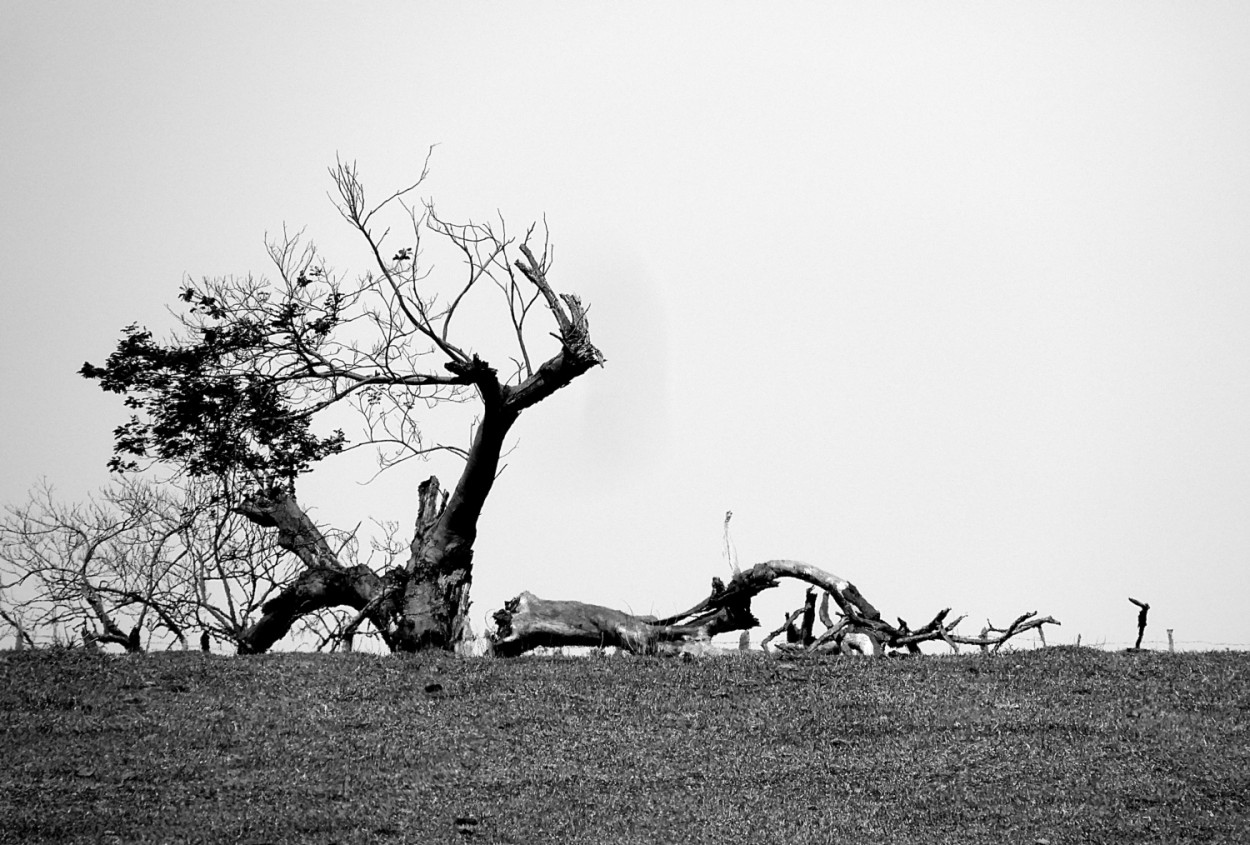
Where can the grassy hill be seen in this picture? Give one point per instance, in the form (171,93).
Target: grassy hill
(1057,746)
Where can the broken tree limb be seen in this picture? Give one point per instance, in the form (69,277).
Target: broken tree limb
(1025,622)
(825,618)
(314,589)
(786,628)
(527,622)
(809,618)
(297,533)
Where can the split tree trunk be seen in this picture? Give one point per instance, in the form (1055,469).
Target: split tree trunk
(426,604)
(436,600)
(440,567)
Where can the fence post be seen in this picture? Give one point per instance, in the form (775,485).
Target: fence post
(1141,621)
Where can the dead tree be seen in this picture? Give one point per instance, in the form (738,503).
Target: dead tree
(98,566)
(138,563)
(527,622)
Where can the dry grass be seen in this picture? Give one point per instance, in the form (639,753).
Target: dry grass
(1062,745)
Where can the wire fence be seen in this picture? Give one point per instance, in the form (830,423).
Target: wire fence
(1025,642)
(1180,645)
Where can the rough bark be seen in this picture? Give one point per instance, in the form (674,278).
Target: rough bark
(440,568)
(324,583)
(297,533)
(428,600)
(527,622)
(315,589)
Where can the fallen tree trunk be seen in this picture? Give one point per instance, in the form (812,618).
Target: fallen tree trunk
(527,621)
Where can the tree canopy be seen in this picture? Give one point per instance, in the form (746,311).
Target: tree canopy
(239,387)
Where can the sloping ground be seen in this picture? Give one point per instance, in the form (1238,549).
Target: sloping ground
(1062,745)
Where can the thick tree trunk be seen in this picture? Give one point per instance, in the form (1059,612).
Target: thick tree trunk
(325,582)
(315,589)
(440,566)
(297,533)
(436,599)
(527,622)
(430,597)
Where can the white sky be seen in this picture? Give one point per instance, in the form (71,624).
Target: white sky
(952,300)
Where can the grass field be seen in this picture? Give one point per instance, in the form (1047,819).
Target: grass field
(1057,746)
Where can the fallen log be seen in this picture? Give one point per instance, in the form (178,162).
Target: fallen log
(527,622)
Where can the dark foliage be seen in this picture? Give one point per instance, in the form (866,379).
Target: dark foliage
(200,409)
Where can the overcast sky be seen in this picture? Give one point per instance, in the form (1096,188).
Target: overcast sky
(952,300)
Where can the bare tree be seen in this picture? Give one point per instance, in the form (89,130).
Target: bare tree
(143,565)
(255,362)
(107,569)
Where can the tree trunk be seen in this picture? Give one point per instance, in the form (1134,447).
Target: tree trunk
(323,584)
(527,621)
(440,567)
(315,589)
(433,606)
(424,605)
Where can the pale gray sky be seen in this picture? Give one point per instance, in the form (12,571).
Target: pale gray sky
(952,300)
